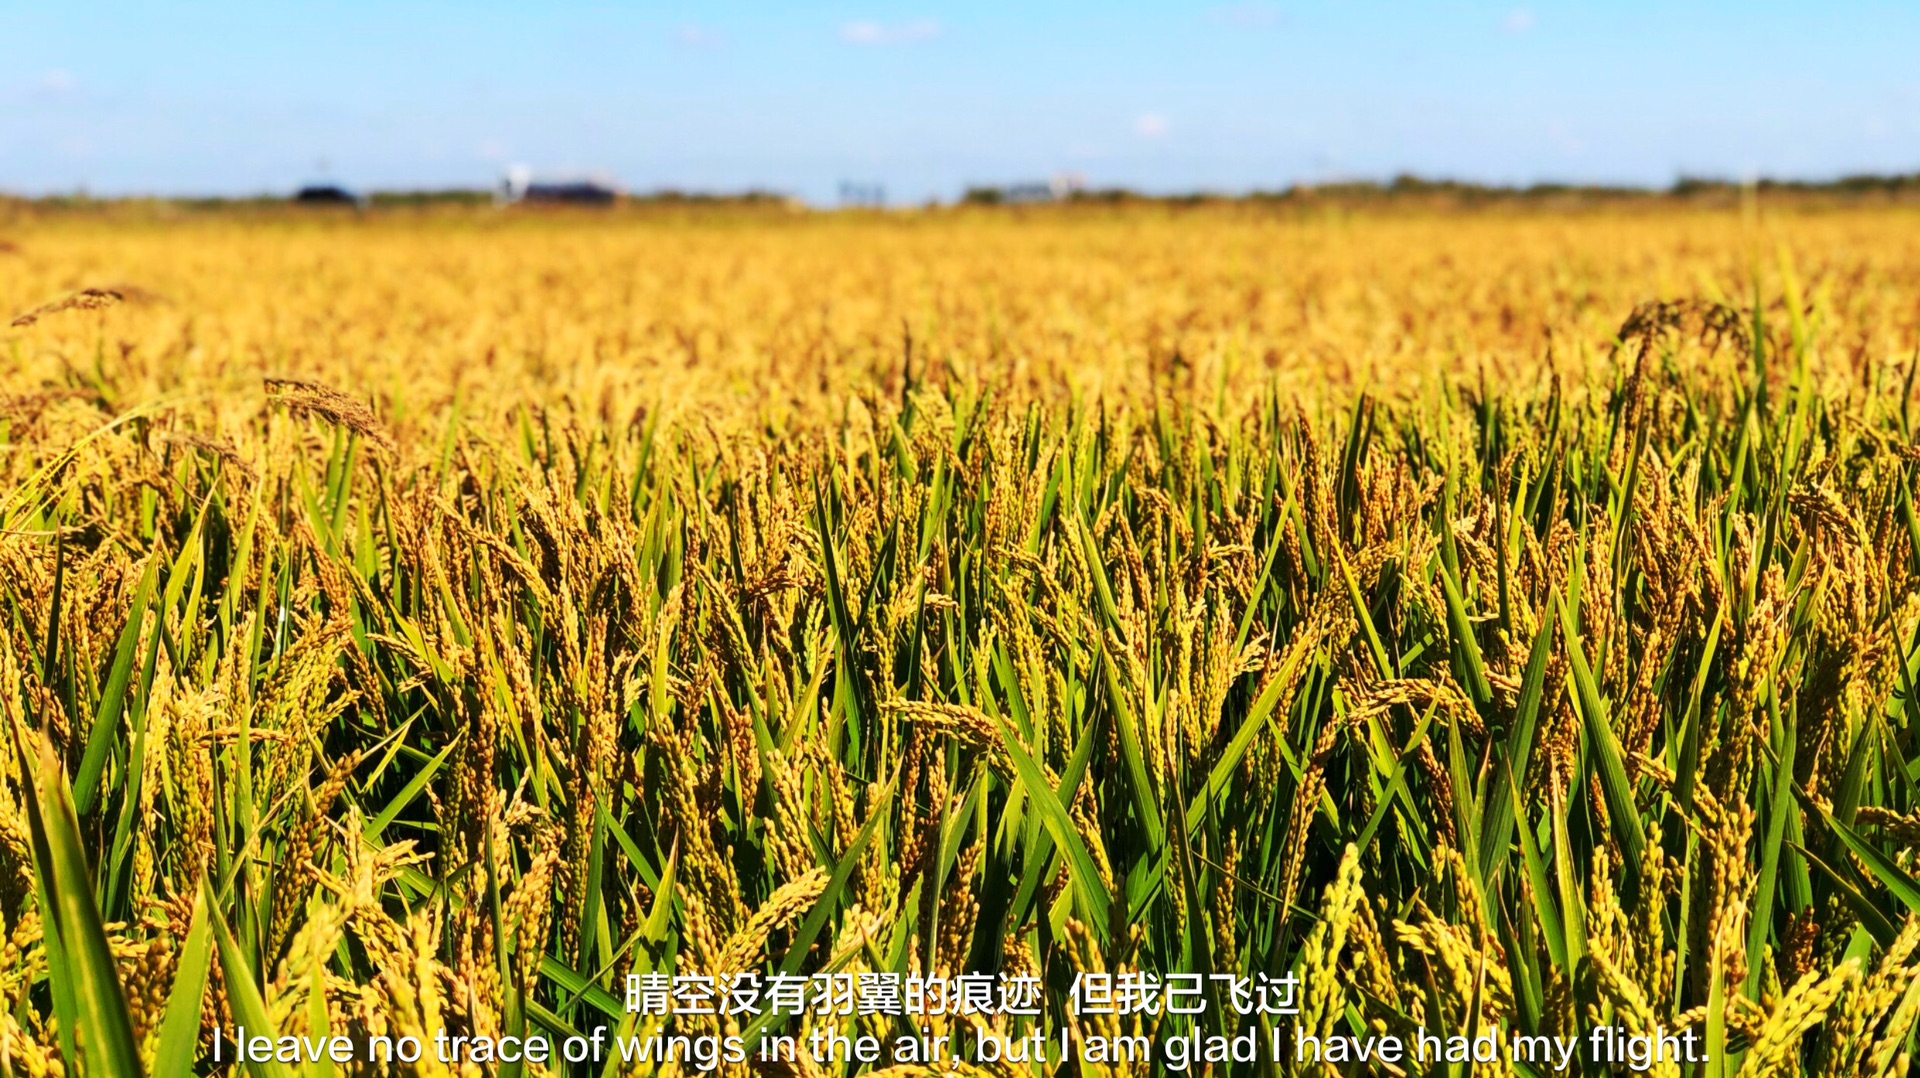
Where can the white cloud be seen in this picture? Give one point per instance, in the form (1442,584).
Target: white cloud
(694,36)
(870,33)
(54,86)
(1251,13)
(1518,21)
(1151,125)
(1570,144)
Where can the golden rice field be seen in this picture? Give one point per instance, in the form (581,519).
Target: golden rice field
(1498,622)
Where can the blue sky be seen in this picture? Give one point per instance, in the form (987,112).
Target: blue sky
(928,97)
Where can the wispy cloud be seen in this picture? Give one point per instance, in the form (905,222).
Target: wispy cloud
(1518,21)
(1570,144)
(1247,15)
(1151,125)
(694,36)
(55,86)
(867,32)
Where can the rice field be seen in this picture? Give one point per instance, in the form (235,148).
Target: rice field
(1496,622)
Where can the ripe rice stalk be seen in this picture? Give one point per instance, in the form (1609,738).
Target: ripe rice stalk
(664,616)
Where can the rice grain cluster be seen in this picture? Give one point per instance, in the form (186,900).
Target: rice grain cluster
(1497,621)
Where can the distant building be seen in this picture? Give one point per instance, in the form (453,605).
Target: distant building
(858,195)
(1061,187)
(579,191)
(326,194)
(1026,192)
(520,186)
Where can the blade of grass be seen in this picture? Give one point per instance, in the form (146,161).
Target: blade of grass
(1623,815)
(106,720)
(1082,872)
(243,991)
(180,1028)
(99,1003)
(1511,764)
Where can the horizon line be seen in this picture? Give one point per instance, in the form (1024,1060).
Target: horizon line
(1024,191)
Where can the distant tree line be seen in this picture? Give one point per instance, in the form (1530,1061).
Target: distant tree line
(1408,186)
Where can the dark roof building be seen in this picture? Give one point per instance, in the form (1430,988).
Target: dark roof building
(581,191)
(520,186)
(326,194)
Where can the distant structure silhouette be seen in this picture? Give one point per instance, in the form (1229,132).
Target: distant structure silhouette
(868,196)
(326,194)
(1060,187)
(521,186)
